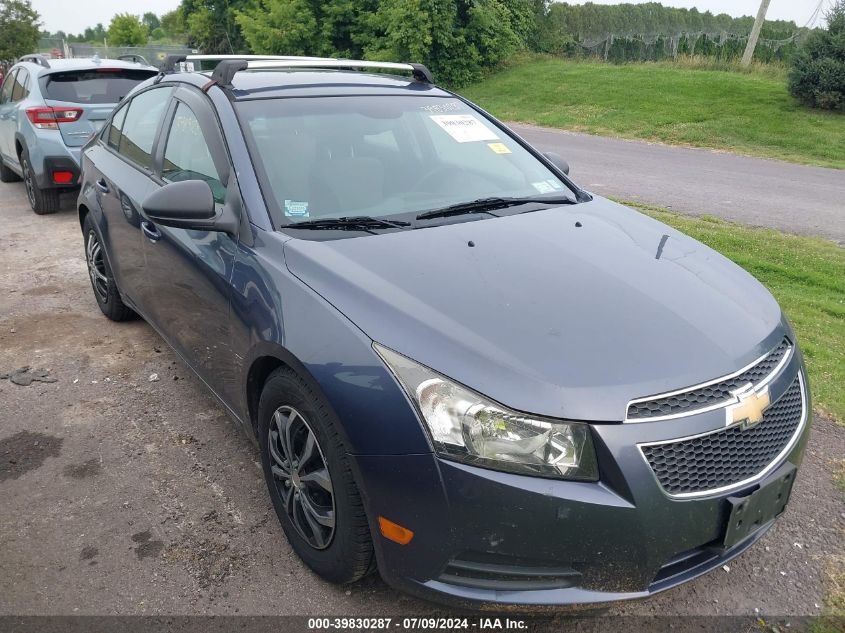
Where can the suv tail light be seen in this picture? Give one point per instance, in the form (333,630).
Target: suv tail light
(49,118)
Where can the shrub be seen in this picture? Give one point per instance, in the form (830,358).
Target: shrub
(818,73)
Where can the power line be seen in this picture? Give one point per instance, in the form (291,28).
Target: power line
(815,15)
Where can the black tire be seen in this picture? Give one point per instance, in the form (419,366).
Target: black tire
(102,280)
(348,554)
(7,175)
(42,201)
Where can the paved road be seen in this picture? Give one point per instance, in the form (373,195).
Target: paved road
(792,198)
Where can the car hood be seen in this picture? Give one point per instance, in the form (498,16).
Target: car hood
(568,312)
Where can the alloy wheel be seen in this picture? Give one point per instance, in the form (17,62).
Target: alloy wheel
(97,267)
(301,476)
(28,182)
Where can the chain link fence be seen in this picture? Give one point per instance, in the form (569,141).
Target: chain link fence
(154,54)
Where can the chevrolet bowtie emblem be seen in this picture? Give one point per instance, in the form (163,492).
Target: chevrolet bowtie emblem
(749,409)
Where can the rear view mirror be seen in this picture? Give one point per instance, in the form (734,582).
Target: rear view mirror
(557,160)
(188,204)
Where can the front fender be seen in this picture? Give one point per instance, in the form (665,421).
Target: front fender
(275,314)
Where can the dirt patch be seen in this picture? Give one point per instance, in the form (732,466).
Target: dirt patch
(40,291)
(85,469)
(147,547)
(26,451)
(88,552)
(209,561)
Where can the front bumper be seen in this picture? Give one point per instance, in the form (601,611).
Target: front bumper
(536,542)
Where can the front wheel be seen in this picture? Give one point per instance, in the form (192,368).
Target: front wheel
(310,480)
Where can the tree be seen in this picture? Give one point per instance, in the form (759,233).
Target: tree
(173,24)
(151,21)
(817,77)
(211,25)
(457,39)
(280,27)
(127,30)
(19,26)
(307,27)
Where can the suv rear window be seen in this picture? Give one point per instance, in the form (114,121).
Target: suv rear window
(99,85)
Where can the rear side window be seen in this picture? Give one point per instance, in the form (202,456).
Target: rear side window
(6,93)
(141,124)
(116,127)
(187,157)
(100,85)
(21,88)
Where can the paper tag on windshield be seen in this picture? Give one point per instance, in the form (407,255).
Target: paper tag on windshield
(543,186)
(296,209)
(499,148)
(464,128)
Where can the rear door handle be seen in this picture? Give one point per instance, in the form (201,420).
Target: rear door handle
(150,230)
(102,186)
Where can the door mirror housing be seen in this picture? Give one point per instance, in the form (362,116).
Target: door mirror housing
(188,204)
(557,160)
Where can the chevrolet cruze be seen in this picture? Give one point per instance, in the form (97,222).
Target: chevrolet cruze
(461,369)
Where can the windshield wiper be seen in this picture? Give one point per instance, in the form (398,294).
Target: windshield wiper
(356,223)
(486,205)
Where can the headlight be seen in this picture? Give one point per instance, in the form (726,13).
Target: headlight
(468,427)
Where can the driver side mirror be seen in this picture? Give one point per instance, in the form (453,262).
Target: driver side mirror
(188,204)
(557,160)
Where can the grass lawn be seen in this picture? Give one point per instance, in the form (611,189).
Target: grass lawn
(749,113)
(806,275)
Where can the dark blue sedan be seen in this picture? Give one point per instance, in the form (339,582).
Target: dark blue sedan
(461,369)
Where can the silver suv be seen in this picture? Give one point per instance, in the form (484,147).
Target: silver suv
(49,108)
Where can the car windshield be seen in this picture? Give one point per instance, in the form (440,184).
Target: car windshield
(380,156)
(95,86)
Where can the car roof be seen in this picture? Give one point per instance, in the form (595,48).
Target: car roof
(271,84)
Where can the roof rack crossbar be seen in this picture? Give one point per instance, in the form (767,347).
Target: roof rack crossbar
(229,65)
(36,58)
(418,71)
(211,58)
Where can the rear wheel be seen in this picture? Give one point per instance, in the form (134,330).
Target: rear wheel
(102,281)
(42,201)
(310,480)
(6,174)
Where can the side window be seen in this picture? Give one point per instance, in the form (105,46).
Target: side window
(186,155)
(141,124)
(6,92)
(20,91)
(115,129)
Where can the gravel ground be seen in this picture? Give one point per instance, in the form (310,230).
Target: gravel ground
(122,495)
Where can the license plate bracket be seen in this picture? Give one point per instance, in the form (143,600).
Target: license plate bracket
(748,514)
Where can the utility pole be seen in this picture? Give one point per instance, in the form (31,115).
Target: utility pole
(755,33)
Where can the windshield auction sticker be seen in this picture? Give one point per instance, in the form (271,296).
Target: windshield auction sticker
(464,128)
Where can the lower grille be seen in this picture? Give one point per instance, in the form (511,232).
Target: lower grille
(508,576)
(729,456)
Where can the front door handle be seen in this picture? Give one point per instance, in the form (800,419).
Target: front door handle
(150,230)
(102,185)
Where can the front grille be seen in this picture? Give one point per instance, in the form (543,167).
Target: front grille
(729,456)
(693,400)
